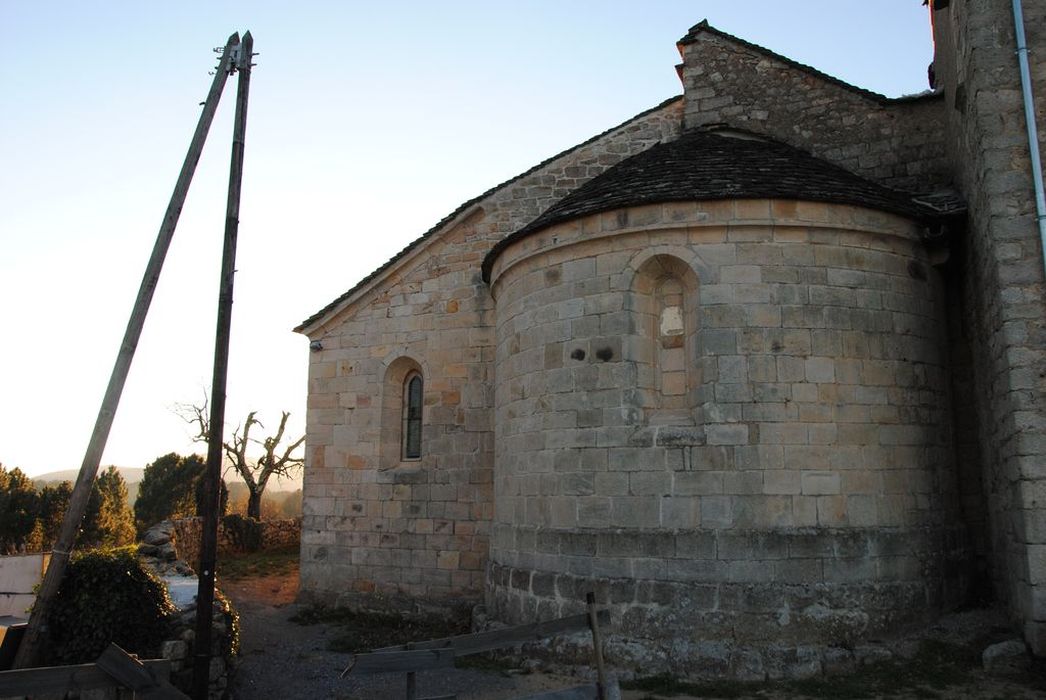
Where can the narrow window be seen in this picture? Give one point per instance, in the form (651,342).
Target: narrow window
(671,352)
(412,402)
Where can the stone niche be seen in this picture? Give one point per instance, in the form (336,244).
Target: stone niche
(730,420)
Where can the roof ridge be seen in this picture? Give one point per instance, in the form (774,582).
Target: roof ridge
(704,27)
(463,207)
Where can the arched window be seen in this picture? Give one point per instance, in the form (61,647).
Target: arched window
(402,413)
(412,402)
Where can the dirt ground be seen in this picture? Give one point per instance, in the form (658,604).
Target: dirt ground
(283,660)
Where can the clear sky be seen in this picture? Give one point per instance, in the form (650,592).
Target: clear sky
(368,122)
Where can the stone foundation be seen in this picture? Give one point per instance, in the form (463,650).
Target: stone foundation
(718,603)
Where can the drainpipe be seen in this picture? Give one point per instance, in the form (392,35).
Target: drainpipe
(1029,118)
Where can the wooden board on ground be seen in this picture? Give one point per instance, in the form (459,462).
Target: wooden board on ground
(48,680)
(579,692)
(131,673)
(466,644)
(400,661)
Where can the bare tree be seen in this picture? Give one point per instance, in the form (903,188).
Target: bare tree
(274,460)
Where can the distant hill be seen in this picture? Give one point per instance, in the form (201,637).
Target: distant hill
(131,475)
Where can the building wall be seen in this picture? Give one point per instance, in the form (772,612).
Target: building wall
(898,143)
(806,495)
(419,530)
(1002,292)
(374,524)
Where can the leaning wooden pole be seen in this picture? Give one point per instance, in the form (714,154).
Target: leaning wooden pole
(215,437)
(597,646)
(29,648)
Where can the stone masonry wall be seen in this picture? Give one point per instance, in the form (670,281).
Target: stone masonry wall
(1003,299)
(898,143)
(809,497)
(417,531)
(162,552)
(275,534)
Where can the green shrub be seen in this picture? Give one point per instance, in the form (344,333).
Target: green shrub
(231,618)
(108,596)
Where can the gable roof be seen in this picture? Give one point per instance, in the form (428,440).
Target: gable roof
(703,27)
(442,223)
(692,36)
(717,164)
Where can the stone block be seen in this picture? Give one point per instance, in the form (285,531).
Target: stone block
(611,483)
(635,511)
(727,434)
(820,370)
(448,560)
(174,650)
(781,481)
(1036,555)
(820,483)
(1006,658)
(649,483)
(695,545)
(862,511)
(680,513)
(717,511)
(594,511)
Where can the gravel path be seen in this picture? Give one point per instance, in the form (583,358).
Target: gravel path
(281,660)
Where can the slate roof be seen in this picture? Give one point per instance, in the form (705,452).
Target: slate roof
(723,164)
(462,208)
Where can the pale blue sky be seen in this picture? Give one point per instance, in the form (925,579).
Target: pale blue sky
(368,122)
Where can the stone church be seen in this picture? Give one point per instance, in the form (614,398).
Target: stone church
(762,366)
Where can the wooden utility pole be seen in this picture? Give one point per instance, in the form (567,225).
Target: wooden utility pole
(29,648)
(209,536)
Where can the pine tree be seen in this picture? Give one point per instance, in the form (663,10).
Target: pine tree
(108,521)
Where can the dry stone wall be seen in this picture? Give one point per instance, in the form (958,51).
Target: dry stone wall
(160,552)
(275,534)
(413,531)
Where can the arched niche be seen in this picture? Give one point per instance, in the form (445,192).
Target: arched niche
(665,297)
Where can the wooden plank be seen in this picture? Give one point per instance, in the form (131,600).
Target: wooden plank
(412,679)
(62,679)
(74,512)
(131,673)
(164,691)
(466,644)
(580,692)
(126,670)
(389,661)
